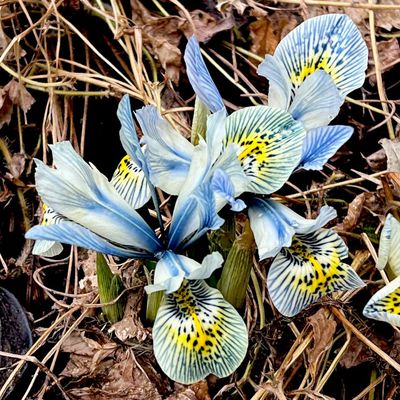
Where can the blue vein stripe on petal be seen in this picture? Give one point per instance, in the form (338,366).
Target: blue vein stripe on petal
(270,143)
(131,184)
(317,101)
(330,42)
(384,304)
(200,78)
(321,144)
(74,234)
(197,333)
(84,195)
(310,269)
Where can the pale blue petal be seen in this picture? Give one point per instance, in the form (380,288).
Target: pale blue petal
(215,134)
(274,225)
(389,246)
(223,187)
(200,78)
(279,93)
(195,210)
(329,42)
(321,144)
(317,101)
(76,235)
(168,152)
(173,268)
(128,135)
(82,194)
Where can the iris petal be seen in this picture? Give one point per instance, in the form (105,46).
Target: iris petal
(322,143)
(274,225)
(317,101)
(269,145)
(329,42)
(168,152)
(197,333)
(384,305)
(200,78)
(82,194)
(71,233)
(310,269)
(172,268)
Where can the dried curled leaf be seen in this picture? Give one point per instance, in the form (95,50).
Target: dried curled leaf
(392,150)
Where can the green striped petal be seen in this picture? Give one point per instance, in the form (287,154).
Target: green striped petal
(270,145)
(308,270)
(384,305)
(131,184)
(49,248)
(197,333)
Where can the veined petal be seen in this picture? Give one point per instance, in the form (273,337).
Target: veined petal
(49,248)
(84,195)
(200,78)
(197,333)
(128,135)
(130,183)
(71,233)
(329,42)
(389,246)
(216,132)
(310,269)
(173,268)
(223,187)
(317,101)
(280,87)
(384,305)
(270,142)
(274,225)
(322,143)
(168,152)
(195,210)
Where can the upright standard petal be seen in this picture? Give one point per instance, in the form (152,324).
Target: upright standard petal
(71,233)
(84,195)
(195,210)
(317,101)
(131,184)
(223,187)
(197,333)
(310,269)
(321,144)
(128,135)
(274,225)
(200,78)
(48,248)
(384,305)
(168,152)
(173,268)
(329,42)
(389,247)
(269,141)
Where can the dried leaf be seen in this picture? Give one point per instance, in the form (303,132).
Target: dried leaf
(197,391)
(268,31)
(324,330)
(17,165)
(392,150)
(389,52)
(356,354)
(377,160)
(206,26)
(353,214)
(19,95)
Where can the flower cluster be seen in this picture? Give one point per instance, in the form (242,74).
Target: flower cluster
(253,150)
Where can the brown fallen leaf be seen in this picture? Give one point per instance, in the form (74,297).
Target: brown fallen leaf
(17,165)
(353,214)
(376,160)
(392,150)
(268,31)
(206,25)
(323,329)
(197,391)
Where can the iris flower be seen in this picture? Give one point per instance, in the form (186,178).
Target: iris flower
(196,332)
(384,305)
(312,70)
